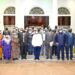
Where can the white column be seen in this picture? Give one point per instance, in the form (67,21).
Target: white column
(54,17)
(19,15)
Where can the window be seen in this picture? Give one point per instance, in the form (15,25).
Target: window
(9,10)
(63,10)
(64,18)
(9,16)
(36,10)
(9,20)
(36,21)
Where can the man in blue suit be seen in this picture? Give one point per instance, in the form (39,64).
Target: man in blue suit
(60,41)
(69,44)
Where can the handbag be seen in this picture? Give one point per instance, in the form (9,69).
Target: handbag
(74,50)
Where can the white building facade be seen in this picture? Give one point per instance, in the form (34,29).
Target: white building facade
(22,8)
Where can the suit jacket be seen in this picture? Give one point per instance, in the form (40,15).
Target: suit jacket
(6,32)
(69,39)
(20,35)
(48,37)
(60,38)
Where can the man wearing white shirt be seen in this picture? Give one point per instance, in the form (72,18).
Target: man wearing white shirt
(37,41)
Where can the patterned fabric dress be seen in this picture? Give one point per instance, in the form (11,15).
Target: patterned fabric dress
(0,46)
(6,43)
(15,46)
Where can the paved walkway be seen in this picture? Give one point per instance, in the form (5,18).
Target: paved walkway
(28,67)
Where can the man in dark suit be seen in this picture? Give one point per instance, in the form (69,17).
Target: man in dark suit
(60,42)
(6,32)
(23,43)
(69,44)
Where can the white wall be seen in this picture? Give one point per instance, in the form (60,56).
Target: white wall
(24,6)
(70,4)
(50,7)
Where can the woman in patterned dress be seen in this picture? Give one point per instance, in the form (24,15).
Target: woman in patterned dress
(15,46)
(1,45)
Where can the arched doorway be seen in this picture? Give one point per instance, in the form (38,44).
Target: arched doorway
(9,18)
(36,18)
(64,18)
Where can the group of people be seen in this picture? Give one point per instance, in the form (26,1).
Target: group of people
(59,42)
(37,41)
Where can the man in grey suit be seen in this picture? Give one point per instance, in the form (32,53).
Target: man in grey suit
(48,44)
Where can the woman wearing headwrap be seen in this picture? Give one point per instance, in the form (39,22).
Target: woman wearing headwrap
(15,46)
(6,43)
